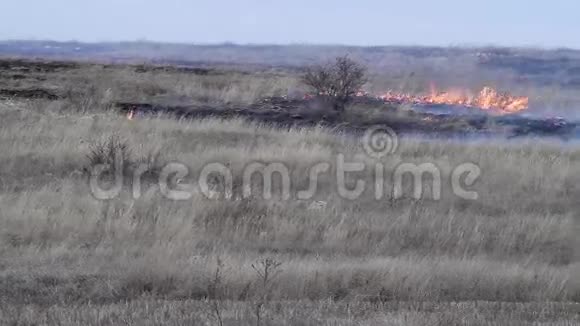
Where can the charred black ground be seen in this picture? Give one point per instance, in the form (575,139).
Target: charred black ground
(285,113)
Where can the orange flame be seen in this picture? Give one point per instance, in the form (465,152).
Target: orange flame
(487,99)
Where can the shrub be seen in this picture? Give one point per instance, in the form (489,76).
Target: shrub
(113,152)
(338,81)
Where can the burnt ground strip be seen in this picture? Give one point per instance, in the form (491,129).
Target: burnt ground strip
(32,66)
(174,69)
(287,113)
(27,66)
(30,93)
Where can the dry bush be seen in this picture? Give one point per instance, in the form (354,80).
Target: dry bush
(109,152)
(338,82)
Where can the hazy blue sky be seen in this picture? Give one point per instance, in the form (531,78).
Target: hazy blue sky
(551,23)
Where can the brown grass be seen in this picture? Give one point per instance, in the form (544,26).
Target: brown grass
(510,257)
(62,249)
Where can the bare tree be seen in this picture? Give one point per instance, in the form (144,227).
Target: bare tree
(338,81)
(266,270)
(214,293)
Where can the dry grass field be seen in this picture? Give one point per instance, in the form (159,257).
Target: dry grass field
(67,258)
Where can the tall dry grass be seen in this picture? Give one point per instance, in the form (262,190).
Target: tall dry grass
(62,246)
(510,257)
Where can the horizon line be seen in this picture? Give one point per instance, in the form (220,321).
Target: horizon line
(288,44)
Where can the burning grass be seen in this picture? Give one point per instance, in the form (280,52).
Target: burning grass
(487,99)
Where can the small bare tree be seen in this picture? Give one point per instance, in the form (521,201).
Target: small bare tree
(266,270)
(338,81)
(214,293)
